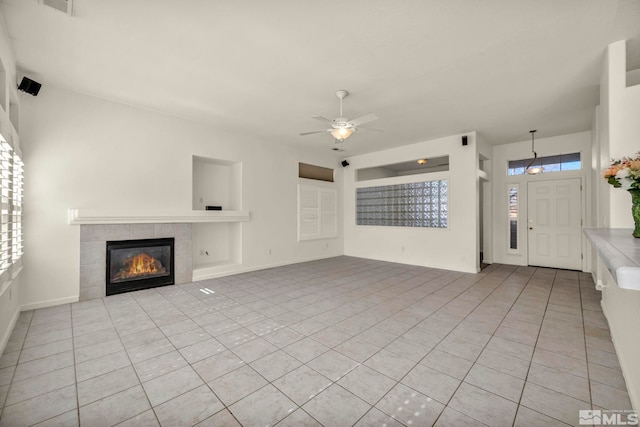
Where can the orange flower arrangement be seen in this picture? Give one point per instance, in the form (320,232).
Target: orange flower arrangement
(624,173)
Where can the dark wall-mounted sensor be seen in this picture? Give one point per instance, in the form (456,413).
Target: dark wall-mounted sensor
(345,163)
(465,140)
(29,86)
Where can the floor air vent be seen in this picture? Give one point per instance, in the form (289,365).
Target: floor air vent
(65,6)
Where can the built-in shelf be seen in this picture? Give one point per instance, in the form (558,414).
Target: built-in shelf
(217,245)
(620,253)
(88,216)
(213,269)
(216,182)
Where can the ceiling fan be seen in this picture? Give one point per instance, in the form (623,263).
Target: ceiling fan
(341,127)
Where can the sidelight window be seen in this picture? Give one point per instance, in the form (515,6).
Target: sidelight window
(513,214)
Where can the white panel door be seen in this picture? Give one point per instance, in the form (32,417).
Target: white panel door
(554,223)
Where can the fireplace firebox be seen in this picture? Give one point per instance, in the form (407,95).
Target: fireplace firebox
(133,265)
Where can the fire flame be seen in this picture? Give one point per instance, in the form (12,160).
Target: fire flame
(143,264)
(139,265)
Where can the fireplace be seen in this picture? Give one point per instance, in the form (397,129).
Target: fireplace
(139,264)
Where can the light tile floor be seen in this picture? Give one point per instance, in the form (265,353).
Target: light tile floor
(337,342)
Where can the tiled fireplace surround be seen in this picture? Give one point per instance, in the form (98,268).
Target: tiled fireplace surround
(93,244)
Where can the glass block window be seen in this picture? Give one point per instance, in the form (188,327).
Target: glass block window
(559,163)
(417,204)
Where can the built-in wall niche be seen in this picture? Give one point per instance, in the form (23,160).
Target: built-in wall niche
(3,87)
(216,183)
(412,167)
(633,77)
(216,244)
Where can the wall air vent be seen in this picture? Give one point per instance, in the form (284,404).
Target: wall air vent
(65,6)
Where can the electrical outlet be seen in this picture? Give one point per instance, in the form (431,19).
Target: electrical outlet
(269,251)
(201,200)
(402,248)
(201,252)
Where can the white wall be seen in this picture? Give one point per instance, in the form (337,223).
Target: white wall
(502,154)
(453,248)
(10,290)
(485,205)
(83,152)
(618,129)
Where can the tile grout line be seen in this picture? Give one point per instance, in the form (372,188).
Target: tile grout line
(535,345)
(75,372)
(332,382)
(225,407)
(584,336)
(250,287)
(444,337)
(487,343)
(132,366)
(2,407)
(228,349)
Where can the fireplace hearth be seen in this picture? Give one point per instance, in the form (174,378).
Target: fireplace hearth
(133,265)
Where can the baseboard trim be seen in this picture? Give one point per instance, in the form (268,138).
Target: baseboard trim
(49,303)
(7,333)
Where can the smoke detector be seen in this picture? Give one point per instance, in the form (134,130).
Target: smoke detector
(65,6)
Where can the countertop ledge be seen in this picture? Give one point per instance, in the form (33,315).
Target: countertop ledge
(620,252)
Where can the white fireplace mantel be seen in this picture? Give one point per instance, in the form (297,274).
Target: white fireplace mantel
(90,216)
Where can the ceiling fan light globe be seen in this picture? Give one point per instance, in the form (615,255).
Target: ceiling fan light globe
(341,133)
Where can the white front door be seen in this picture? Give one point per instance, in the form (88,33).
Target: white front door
(554,223)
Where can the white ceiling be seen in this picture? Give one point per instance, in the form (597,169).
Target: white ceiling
(427,68)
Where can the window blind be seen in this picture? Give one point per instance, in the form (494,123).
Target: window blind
(11,200)
(6,188)
(17,240)
(317,212)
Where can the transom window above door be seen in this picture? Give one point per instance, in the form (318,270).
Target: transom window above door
(557,163)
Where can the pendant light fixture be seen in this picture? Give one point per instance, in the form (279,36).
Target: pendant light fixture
(530,169)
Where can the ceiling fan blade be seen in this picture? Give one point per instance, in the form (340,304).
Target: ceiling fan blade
(315,131)
(371,129)
(322,119)
(363,119)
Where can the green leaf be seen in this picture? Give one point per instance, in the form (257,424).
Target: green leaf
(613,181)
